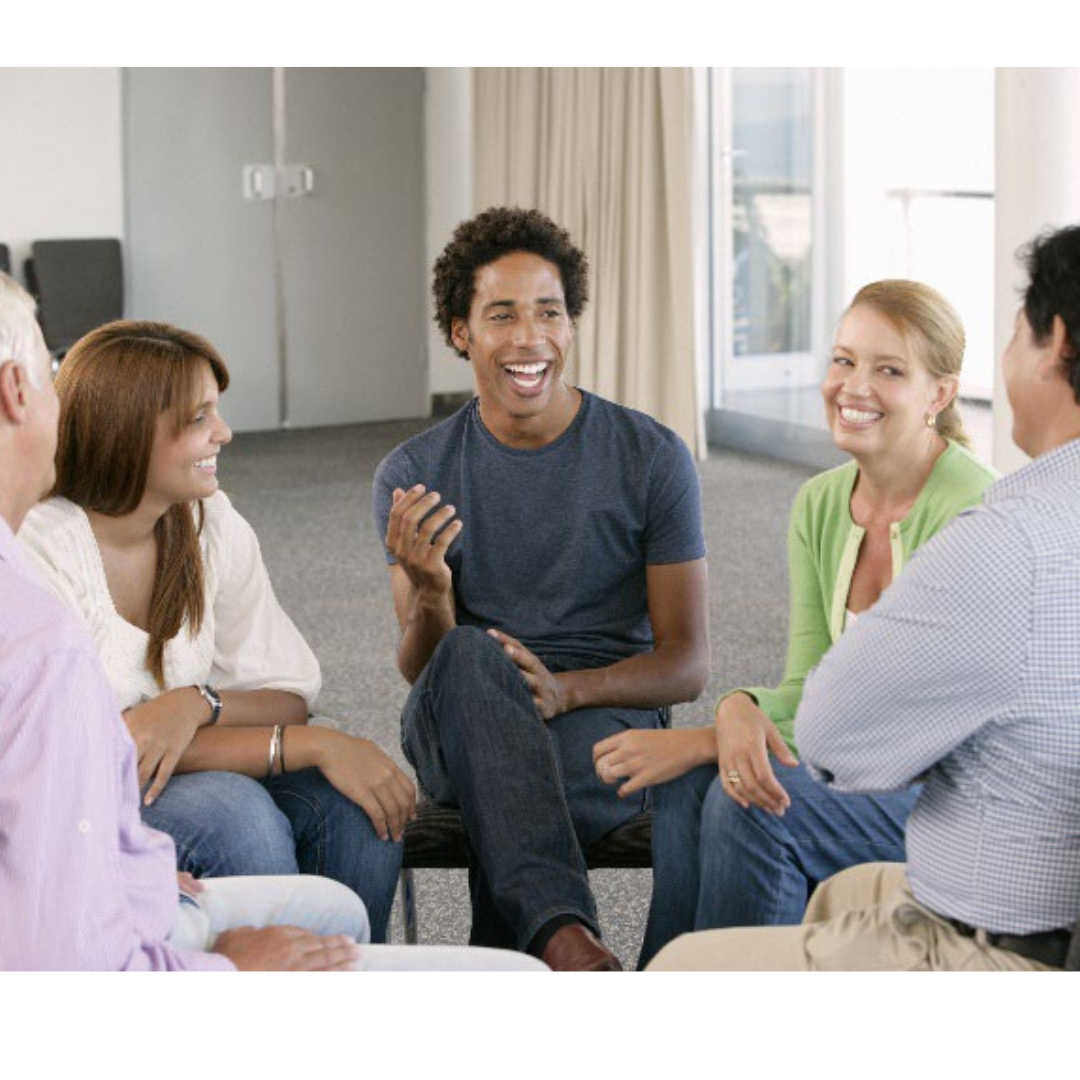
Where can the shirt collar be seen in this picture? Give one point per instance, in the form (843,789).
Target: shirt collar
(7,539)
(1061,463)
(12,553)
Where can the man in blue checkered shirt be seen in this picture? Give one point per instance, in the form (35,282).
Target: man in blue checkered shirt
(966,675)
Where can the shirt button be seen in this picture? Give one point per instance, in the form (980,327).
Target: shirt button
(84,826)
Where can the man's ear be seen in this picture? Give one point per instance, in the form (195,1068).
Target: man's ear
(14,388)
(1060,351)
(459,334)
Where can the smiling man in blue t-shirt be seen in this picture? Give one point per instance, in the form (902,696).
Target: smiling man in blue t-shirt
(547,567)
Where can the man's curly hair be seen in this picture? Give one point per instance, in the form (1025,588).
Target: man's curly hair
(496,232)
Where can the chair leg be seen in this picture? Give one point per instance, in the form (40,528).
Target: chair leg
(407,889)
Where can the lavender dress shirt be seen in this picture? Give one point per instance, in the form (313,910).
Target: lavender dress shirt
(83,883)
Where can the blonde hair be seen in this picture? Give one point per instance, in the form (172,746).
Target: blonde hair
(931,329)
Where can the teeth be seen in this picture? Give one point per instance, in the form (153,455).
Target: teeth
(857,416)
(527,369)
(206,462)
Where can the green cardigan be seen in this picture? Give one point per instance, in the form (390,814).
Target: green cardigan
(823,547)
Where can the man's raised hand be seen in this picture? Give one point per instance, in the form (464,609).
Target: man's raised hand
(418,535)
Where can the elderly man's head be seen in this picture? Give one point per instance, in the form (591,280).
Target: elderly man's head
(28,406)
(20,335)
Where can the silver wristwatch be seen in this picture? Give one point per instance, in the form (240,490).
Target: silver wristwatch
(210,696)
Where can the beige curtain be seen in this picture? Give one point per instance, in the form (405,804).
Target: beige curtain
(607,153)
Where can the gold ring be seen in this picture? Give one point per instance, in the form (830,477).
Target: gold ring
(734,777)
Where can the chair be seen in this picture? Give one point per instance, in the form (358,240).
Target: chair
(1072,958)
(436,841)
(5,259)
(79,285)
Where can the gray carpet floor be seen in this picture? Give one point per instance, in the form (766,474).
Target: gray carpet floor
(308,496)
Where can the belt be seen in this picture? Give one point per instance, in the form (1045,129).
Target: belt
(1049,948)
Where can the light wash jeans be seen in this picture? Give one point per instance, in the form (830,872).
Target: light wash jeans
(716,865)
(321,906)
(228,825)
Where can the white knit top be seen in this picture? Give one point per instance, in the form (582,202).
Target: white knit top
(246,641)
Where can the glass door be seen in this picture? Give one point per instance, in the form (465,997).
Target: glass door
(766,232)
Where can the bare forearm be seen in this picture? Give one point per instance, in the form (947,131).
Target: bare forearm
(246,750)
(429,619)
(650,680)
(257,708)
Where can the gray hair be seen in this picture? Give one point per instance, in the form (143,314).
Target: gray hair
(20,336)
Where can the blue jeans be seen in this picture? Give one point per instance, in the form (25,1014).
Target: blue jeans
(228,825)
(527,791)
(716,865)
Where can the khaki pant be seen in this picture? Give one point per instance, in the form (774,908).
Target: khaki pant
(862,919)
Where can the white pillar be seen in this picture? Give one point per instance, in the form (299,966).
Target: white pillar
(448,165)
(1037,187)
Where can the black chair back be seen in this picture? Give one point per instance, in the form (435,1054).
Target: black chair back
(79,285)
(5,259)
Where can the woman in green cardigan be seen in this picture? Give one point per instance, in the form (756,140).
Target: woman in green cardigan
(741,833)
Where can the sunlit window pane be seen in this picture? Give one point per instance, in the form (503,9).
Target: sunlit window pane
(772,217)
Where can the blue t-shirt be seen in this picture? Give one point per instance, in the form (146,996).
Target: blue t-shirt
(555,541)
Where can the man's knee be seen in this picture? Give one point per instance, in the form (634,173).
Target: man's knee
(469,676)
(328,907)
(854,889)
(464,649)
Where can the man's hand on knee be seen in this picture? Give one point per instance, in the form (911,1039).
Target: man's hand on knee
(287,948)
(548,694)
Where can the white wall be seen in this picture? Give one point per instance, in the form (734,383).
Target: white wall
(925,129)
(62,173)
(1038,162)
(448,165)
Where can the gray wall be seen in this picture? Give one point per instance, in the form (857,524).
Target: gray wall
(197,255)
(351,253)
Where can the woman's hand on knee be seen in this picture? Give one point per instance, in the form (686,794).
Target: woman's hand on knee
(364,772)
(162,729)
(745,736)
(641,759)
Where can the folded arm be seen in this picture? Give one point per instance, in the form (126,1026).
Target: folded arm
(939,656)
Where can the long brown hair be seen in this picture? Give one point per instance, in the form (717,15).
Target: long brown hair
(931,328)
(113,385)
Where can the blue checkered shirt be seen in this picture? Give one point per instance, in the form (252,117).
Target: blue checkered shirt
(967,673)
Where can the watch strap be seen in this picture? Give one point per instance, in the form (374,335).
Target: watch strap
(212,698)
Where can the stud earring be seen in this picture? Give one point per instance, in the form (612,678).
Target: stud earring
(931,419)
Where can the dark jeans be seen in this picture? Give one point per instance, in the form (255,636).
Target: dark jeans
(228,825)
(716,865)
(527,791)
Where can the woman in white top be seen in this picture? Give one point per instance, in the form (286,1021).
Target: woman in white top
(215,681)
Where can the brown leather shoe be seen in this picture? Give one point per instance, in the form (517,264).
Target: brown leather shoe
(573,948)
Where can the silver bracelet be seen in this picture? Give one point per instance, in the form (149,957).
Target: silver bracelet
(275,751)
